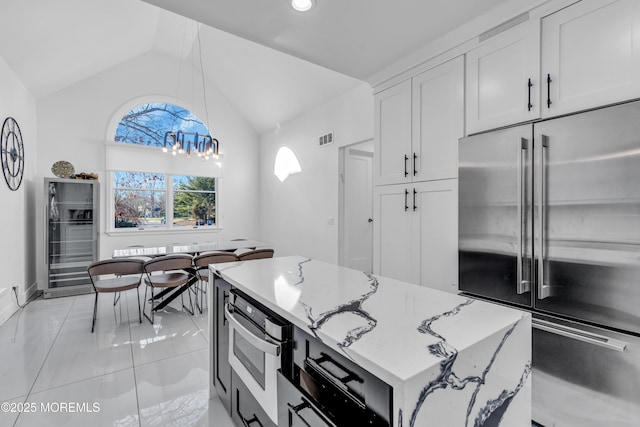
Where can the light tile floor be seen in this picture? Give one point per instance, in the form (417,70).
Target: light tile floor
(135,374)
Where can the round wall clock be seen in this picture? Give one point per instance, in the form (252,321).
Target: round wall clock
(12,153)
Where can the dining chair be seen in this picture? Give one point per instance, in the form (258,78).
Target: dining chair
(115,276)
(201,264)
(254,254)
(166,272)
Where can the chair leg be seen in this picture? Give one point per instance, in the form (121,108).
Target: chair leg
(151,307)
(95,313)
(139,311)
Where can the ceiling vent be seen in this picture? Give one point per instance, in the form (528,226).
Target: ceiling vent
(325,139)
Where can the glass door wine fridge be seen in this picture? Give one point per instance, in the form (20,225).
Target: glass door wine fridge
(71,235)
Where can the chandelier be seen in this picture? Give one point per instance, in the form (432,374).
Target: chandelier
(204,146)
(178,141)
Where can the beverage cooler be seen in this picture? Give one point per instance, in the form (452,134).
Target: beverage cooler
(71,233)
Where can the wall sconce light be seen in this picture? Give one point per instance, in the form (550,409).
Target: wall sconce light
(286,163)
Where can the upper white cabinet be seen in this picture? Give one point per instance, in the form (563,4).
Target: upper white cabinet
(418,123)
(503,79)
(591,55)
(393,134)
(438,121)
(583,56)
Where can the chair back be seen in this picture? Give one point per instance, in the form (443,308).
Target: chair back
(256,254)
(116,266)
(214,257)
(168,263)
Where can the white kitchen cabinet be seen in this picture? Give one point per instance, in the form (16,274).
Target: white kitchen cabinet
(416,233)
(591,53)
(392,232)
(502,80)
(438,121)
(418,124)
(583,56)
(393,134)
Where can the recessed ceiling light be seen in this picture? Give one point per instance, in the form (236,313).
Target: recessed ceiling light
(302,5)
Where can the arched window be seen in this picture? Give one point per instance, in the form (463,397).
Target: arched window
(147,124)
(154,196)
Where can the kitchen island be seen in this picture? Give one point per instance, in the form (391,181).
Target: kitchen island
(448,360)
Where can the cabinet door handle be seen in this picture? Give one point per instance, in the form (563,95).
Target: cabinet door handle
(305,405)
(529,104)
(406,196)
(415,170)
(414,200)
(406,172)
(549,90)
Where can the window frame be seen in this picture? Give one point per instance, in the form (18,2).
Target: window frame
(168,227)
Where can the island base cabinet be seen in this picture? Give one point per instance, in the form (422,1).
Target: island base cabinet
(245,409)
(221,366)
(295,409)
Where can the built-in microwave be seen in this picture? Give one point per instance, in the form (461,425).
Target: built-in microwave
(259,346)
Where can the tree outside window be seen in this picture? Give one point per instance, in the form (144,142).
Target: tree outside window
(145,200)
(194,201)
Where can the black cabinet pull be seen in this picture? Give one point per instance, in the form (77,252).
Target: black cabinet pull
(406,204)
(414,200)
(406,159)
(305,405)
(248,422)
(549,90)
(415,157)
(529,104)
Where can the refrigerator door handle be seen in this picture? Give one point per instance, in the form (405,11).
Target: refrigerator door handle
(522,285)
(544,289)
(579,335)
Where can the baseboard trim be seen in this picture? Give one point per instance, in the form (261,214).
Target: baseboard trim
(8,305)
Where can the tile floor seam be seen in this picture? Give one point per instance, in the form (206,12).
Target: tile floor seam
(133,361)
(46,357)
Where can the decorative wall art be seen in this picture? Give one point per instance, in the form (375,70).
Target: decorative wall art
(12,153)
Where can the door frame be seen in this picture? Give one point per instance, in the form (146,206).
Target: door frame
(342,153)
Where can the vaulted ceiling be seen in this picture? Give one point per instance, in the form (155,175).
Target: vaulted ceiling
(271,62)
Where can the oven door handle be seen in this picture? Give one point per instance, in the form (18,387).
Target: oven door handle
(258,342)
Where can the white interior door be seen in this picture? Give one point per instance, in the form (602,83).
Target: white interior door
(358,209)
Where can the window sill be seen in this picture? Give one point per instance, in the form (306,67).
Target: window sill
(185,230)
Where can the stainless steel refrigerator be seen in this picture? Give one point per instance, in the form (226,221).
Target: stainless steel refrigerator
(550,222)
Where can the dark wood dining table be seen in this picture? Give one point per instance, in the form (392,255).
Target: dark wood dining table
(170,294)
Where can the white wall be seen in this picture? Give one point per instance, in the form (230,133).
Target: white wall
(294,214)
(73,125)
(17,214)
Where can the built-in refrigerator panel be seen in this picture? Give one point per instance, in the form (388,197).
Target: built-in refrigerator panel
(587,222)
(495,218)
(584,376)
(71,235)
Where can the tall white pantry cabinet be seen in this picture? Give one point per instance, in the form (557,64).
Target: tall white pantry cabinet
(418,124)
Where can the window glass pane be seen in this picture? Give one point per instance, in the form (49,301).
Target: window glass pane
(194,201)
(147,124)
(139,180)
(139,200)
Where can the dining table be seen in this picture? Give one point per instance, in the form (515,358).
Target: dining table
(169,294)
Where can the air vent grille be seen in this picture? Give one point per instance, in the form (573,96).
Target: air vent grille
(325,139)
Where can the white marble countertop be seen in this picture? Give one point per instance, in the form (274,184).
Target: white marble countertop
(395,330)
